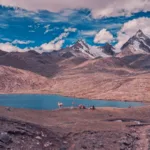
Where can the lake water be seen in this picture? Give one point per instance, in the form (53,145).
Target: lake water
(49,102)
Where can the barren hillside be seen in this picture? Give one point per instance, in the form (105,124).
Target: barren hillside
(113,80)
(20,81)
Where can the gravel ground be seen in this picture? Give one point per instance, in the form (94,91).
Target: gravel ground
(102,129)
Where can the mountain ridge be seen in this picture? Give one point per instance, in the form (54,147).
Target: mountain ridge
(137,44)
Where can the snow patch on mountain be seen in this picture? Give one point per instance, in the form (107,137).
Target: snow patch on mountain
(92,51)
(139,43)
(97,52)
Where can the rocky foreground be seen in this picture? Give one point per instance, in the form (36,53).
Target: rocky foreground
(102,129)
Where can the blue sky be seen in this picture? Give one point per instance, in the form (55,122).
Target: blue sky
(46,30)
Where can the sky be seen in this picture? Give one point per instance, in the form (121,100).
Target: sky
(49,25)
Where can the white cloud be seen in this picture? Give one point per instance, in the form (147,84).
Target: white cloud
(55,44)
(22,13)
(100,8)
(103,36)
(47,28)
(61,36)
(6,39)
(88,33)
(70,30)
(22,42)
(46,47)
(52,45)
(8,47)
(58,42)
(130,28)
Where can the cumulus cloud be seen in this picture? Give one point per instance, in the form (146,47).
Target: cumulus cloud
(8,47)
(100,8)
(103,36)
(52,45)
(22,42)
(58,42)
(55,44)
(131,27)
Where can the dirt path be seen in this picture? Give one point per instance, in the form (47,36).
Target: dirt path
(143,141)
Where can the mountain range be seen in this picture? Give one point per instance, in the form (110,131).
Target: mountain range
(81,70)
(138,44)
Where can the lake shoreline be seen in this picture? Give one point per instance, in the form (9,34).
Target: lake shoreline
(50,102)
(79,97)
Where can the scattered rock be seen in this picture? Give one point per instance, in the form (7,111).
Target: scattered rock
(125,141)
(65,142)
(38,138)
(100,144)
(137,122)
(43,135)
(118,121)
(47,144)
(5,138)
(135,135)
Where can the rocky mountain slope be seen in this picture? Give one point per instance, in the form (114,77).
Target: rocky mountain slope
(31,61)
(46,64)
(80,48)
(138,44)
(14,80)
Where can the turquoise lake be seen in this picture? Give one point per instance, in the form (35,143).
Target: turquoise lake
(49,102)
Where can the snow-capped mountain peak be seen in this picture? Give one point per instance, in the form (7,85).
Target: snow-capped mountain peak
(82,49)
(139,43)
(80,45)
(139,33)
(94,51)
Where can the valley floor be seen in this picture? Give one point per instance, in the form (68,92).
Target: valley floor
(74,129)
